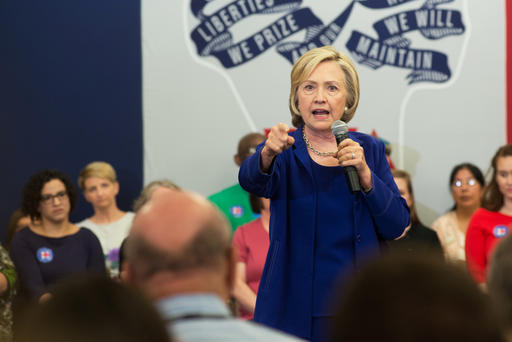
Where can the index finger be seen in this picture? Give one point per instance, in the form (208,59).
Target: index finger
(283,127)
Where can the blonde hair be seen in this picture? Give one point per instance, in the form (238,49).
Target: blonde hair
(305,65)
(98,169)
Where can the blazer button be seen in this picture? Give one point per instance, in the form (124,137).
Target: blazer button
(358,237)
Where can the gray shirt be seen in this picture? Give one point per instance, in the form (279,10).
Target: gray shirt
(204,317)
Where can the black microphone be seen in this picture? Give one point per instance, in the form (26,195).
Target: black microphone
(340,129)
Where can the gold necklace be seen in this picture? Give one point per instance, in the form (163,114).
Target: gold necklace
(315,151)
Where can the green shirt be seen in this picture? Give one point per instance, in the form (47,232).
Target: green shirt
(234,203)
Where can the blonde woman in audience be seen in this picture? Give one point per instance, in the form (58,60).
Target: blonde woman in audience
(98,181)
(466,185)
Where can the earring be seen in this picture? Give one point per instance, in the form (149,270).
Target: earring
(346,108)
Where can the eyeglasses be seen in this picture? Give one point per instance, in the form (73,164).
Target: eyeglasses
(470,182)
(47,199)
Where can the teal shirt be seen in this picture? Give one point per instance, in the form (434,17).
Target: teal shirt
(234,203)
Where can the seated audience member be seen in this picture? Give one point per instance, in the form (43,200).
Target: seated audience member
(86,309)
(466,184)
(145,196)
(111,225)
(417,236)
(251,241)
(499,283)
(179,252)
(493,221)
(17,221)
(54,248)
(403,297)
(234,201)
(147,192)
(8,285)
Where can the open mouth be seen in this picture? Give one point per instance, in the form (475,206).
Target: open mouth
(321,112)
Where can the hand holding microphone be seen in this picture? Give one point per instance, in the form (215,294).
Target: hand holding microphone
(350,156)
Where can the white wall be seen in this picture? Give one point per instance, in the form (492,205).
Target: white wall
(195,110)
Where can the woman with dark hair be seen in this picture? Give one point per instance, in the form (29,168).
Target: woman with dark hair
(466,185)
(493,221)
(53,248)
(417,236)
(251,241)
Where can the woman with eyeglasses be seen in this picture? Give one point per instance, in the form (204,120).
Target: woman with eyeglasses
(493,221)
(466,185)
(52,248)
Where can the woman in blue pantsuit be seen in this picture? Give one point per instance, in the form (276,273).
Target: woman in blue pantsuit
(319,231)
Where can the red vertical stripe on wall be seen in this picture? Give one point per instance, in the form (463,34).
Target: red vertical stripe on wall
(508,11)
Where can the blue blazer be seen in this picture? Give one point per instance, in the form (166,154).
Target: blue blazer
(285,294)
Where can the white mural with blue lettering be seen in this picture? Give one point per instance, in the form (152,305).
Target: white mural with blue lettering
(431,75)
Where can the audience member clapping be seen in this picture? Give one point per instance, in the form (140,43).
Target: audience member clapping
(251,240)
(406,297)
(493,221)
(466,184)
(89,308)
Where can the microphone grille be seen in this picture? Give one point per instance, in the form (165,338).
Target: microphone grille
(339,127)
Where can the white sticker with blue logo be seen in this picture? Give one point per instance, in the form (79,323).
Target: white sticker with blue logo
(500,231)
(237,211)
(44,255)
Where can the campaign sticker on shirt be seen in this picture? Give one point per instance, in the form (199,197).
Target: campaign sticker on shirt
(44,255)
(500,231)
(237,211)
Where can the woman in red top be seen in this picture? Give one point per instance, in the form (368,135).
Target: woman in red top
(493,221)
(251,241)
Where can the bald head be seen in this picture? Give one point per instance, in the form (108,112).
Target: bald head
(177,231)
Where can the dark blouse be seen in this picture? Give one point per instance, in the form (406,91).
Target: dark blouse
(42,261)
(418,239)
(334,246)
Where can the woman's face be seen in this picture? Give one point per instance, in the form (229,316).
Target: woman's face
(466,191)
(401,184)
(54,205)
(100,192)
(504,176)
(322,96)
